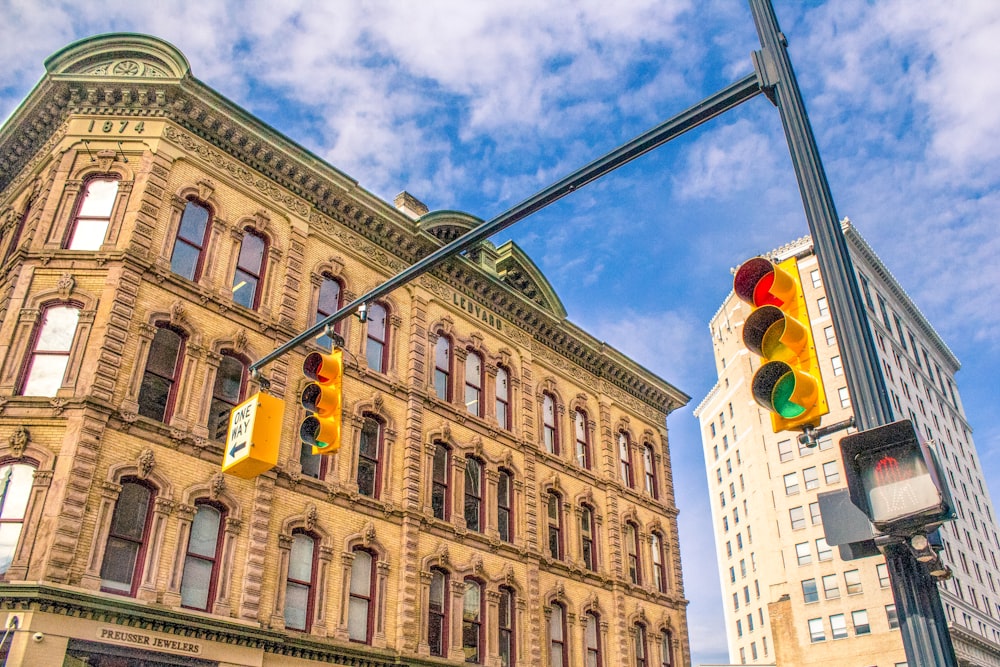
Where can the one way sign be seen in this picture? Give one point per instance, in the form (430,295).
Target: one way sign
(254,435)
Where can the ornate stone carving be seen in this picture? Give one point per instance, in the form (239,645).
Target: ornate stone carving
(312,517)
(146,463)
(217,485)
(65,285)
(178,312)
(18,441)
(240,340)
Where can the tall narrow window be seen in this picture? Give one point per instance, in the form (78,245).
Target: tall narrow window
(49,356)
(15,490)
(505,620)
(587,538)
(557,636)
(249,277)
(230,385)
(192,237)
(505,492)
(90,226)
(127,539)
(549,424)
(377,345)
(299,588)
(439,481)
(369,457)
(625,459)
(659,567)
(592,635)
(667,649)
(503,398)
(472,622)
(640,646)
(474,384)
(200,564)
(632,553)
(649,465)
(474,495)
(327,303)
(442,368)
(437,612)
(163,367)
(582,442)
(554,520)
(360,607)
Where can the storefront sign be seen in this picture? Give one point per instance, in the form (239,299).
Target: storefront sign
(477,311)
(152,642)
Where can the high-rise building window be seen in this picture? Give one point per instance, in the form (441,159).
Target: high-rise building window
(823,550)
(554,522)
(248,281)
(505,494)
(810,478)
(845,397)
(592,637)
(474,494)
(474,384)
(377,338)
(49,356)
(473,632)
(505,620)
(797,517)
(831,589)
(128,538)
(831,472)
(187,258)
(328,302)
(838,626)
(503,398)
(852,581)
(549,432)
(300,584)
(803,553)
(16,480)
(837,365)
(200,576)
(437,613)
(587,532)
(809,592)
(822,306)
(228,392)
(785,451)
(816,631)
(370,458)
(883,575)
(791,483)
(360,605)
(440,476)
(557,636)
(582,439)
(162,374)
(860,620)
(93,215)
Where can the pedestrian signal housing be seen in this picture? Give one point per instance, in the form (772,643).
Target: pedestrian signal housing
(323,398)
(788,384)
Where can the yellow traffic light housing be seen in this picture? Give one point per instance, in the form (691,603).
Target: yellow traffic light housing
(323,398)
(788,384)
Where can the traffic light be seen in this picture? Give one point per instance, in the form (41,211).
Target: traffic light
(895,479)
(323,398)
(788,383)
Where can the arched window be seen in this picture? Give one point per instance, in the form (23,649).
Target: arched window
(649,465)
(46,364)
(592,635)
(230,386)
(249,277)
(127,538)
(442,367)
(557,637)
(189,247)
(327,303)
(632,553)
(505,496)
(160,379)
(15,491)
(549,433)
(440,476)
(666,649)
(554,521)
(377,345)
(361,607)
(587,532)
(370,457)
(641,659)
(659,567)
(474,384)
(473,632)
(474,494)
(507,638)
(299,586)
(201,563)
(503,398)
(625,458)
(93,214)
(437,612)
(582,441)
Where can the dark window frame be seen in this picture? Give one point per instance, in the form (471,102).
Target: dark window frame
(474,505)
(219,399)
(142,542)
(310,585)
(172,381)
(441,484)
(201,246)
(439,614)
(366,461)
(369,599)
(216,558)
(78,208)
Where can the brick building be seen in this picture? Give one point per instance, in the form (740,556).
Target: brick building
(502,494)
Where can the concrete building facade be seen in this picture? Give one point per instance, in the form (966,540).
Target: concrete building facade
(789,598)
(502,494)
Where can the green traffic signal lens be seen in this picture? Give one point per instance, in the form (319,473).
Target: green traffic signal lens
(781,397)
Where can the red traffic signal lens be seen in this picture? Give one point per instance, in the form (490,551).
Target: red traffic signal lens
(323,367)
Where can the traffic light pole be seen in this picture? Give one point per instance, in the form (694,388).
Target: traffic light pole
(923,624)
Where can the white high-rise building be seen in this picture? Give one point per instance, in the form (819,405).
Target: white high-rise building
(789,598)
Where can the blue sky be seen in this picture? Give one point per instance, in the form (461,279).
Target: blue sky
(477,105)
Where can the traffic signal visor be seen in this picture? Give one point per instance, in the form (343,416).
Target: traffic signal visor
(788,384)
(323,398)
